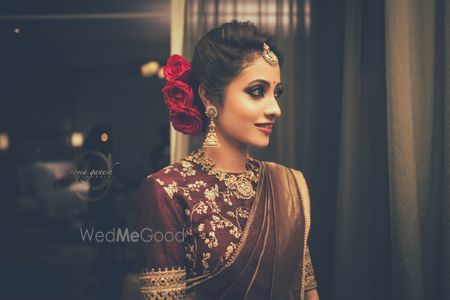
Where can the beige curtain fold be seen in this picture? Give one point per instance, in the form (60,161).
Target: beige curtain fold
(179,143)
(445,209)
(417,62)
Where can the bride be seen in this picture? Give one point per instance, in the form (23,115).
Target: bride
(220,224)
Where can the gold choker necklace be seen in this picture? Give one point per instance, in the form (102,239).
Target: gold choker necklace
(240,184)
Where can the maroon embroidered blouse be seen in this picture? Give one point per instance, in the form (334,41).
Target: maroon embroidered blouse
(192,223)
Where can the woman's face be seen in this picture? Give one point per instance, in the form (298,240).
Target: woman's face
(250,105)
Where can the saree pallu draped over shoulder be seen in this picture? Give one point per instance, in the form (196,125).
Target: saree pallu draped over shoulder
(269,263)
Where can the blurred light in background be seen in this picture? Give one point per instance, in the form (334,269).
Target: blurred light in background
(161,73)
(104,137)
(149,69)
(77,139)
(307,10)
(4,141)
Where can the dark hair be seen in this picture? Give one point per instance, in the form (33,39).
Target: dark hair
(222,54)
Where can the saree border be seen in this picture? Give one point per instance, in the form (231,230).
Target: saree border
(303,191)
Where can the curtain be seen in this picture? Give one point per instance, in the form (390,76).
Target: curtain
(361,252)
(378,160)
(418,77)
(345,147)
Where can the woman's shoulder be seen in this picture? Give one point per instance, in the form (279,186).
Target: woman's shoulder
(157,197)
(279,169)
(179,170)
(161,185)
(170,177)
(178,183)
(279,166)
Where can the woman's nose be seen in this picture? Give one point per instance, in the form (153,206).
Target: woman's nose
(273,109)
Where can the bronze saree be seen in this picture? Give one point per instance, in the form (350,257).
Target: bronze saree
(270,262)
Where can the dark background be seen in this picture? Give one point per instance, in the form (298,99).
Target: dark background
(74,66)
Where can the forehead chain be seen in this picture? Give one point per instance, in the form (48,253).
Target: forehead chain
(269,56)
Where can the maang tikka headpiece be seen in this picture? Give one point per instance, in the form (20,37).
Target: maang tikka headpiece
(269,56)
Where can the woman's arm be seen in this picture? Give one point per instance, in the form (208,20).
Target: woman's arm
(311,283)
(161,253)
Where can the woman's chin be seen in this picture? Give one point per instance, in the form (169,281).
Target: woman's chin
(260,143)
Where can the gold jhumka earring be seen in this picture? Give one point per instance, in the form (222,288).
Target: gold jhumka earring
(211,140)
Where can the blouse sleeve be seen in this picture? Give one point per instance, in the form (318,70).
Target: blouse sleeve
(160,249)
(311,282)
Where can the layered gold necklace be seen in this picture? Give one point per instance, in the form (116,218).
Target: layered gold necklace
(241,184)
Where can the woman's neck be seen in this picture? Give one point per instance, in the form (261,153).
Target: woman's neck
(229,157)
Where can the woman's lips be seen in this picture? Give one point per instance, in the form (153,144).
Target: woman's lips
(265,127)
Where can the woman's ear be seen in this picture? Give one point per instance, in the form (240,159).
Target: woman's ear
(201,91)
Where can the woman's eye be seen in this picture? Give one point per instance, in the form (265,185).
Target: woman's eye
(278,93)
(260,94)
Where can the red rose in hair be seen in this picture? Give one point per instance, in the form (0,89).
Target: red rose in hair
(177,68)
(186,120)
(177,94)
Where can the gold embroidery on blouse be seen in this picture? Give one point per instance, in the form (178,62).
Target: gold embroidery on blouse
(230,250)
(163,284)
(240,185)
(206,257)
(191,255)
(187,169)
(173,188)
(230,220)
(213,193)
(193,281)
(218,220)
(210,239)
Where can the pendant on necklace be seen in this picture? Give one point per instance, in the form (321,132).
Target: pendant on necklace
(244,187)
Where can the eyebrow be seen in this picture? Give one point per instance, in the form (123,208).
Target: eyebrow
(265,82)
